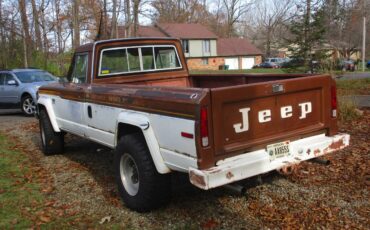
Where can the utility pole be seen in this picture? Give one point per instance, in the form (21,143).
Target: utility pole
(364,38)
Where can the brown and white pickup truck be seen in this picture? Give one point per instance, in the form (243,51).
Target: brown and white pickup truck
(137,97)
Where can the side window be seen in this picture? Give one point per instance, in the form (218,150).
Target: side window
(2,78)
(8,77)
(79,73)
(165,57)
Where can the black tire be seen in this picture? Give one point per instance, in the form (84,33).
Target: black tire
(28,106)
(153,189)
(51,142)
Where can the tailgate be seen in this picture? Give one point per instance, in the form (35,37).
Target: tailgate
(256,115)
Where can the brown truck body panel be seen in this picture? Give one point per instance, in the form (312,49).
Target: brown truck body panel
(178,94)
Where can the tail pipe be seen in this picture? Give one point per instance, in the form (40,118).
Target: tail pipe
(236,188)
(320,161)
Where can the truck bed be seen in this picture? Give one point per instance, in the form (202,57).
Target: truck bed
(256,93)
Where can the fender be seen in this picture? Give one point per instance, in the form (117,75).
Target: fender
(142,122)
(46,102)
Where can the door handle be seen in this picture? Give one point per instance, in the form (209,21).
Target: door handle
(89,111)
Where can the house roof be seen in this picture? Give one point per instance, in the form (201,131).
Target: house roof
(150,31)
(143,31)
(186,30)
(235,47)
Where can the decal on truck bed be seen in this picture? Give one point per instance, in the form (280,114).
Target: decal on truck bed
(265,115)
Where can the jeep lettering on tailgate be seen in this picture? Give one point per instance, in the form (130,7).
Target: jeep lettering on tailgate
(265,115)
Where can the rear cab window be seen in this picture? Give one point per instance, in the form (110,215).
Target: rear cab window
(126,60)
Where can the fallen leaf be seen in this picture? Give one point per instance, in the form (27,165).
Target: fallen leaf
(45,219)
(209,224)
(105,219)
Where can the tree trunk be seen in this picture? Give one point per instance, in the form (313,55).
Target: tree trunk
(36,22)
(3,62)
(76,24)
(45,40)
(136,16)
(128,19)
(105,21)
(307,47)
(268,42)
(58,27)
(26,33)
(113,32)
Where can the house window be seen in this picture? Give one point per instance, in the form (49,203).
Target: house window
(205,61)
(185,46)
(206,46)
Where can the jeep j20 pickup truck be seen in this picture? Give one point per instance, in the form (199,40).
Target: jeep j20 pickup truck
(137,97)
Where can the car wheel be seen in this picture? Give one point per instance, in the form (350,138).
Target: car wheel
(52,142)
(140,186)
(28,106)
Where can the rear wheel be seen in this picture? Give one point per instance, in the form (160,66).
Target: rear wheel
(140,186)
(28,105)
(52,142)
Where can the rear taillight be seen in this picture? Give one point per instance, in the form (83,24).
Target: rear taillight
(204,126)
(334,101)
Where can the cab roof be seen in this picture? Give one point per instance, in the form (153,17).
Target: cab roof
(89,46)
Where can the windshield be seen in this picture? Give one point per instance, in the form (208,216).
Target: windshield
(34,76)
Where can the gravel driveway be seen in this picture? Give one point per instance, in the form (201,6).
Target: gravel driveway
(80,183)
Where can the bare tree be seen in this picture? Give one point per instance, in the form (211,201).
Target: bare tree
(272,15)
(113,33)
(128,24)
(76,23)
(44,30)
(36,25)
(27,41)
(136,8)
(234,10)
(180,11)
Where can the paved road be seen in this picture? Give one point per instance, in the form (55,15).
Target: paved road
(359,100)
(350,75)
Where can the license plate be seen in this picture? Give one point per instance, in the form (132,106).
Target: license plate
(278,150)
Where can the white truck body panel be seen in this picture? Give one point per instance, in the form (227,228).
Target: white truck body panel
(168,152)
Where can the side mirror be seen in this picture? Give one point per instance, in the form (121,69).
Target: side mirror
(12,82)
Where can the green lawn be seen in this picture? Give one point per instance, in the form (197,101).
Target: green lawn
(23,205)
(19,195)
(353,86)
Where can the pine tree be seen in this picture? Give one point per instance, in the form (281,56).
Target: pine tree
(308,31)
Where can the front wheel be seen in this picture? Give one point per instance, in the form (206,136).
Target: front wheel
(140,186)
(52,142)
(28,106)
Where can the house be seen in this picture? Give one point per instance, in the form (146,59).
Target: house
(238,53)
(331,52)
(203,49)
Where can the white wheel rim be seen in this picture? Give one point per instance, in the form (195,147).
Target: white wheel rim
(129,174)
(29,106)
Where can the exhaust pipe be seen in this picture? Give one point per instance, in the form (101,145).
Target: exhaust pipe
(320,161)
(236,188)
